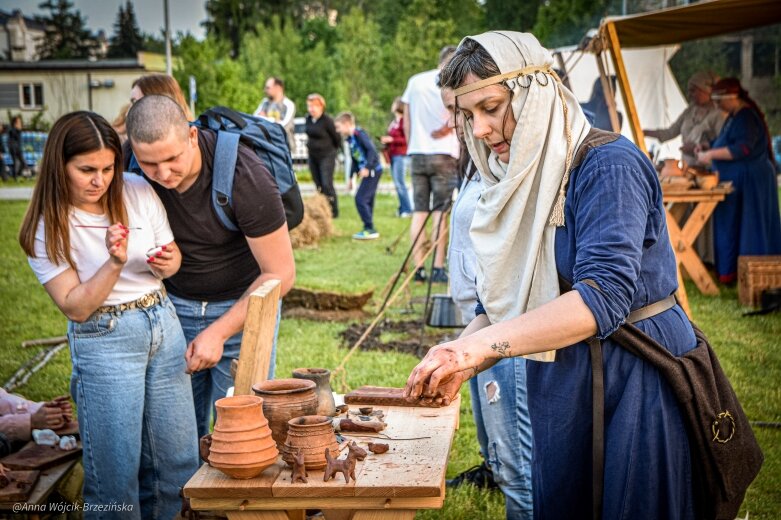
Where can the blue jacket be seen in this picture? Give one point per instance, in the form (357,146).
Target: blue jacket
(363,152)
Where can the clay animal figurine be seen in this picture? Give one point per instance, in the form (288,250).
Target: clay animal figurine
(299,469)
(360,453)
(378,447)
(344,466)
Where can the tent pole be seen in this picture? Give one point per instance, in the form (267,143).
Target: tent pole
(610,96)
(623,82)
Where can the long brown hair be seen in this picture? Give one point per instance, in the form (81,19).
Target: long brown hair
(162,85)
(73,134)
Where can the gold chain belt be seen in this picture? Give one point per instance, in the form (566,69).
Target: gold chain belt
(146,301)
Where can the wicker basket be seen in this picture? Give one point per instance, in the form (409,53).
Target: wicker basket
(755,274)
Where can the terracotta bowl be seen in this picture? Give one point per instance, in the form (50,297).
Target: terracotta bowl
(248,446)
(312,434)
(285,399)
(243,459)
(243,471)
(707,182)
(239,413)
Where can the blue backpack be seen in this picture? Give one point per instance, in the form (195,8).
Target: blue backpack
(269,141)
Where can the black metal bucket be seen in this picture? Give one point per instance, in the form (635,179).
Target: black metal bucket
(442,312)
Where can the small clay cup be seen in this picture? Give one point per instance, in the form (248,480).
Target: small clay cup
(325,396)
(312,434)
(285,399)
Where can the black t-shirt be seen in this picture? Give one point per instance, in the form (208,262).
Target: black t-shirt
(218,264)
(323,138)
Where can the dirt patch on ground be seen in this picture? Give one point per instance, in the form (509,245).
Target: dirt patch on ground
(410,341)
(326,301)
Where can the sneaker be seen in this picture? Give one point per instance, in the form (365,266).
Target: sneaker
(366,234)
(405,214)
(479,476)
(420,275)
(438,275)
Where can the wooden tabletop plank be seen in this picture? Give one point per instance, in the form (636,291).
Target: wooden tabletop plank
(410,468)
(209,482)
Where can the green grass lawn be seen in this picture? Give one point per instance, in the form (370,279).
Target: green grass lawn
(749,348)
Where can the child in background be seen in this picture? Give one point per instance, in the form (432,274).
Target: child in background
(365,163)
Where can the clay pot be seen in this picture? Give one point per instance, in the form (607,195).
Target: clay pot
(322,378)
(285,399)
(241,445)
(312,434)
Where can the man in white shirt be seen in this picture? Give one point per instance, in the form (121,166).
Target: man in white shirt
(277,107)
(433,148)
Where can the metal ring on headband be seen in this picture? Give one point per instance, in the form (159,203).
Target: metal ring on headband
(528,77)
(537,75)
(510,84)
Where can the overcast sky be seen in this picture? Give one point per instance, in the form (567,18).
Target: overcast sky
(186,15)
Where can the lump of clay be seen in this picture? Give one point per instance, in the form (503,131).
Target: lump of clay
(45,437)
(68,442)
(378,447)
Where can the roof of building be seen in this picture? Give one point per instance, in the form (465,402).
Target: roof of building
(31,23)
(109,64)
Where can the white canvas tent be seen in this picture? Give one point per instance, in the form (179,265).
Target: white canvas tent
(657,95)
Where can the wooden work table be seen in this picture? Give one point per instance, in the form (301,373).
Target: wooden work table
(682,237)
(393,485)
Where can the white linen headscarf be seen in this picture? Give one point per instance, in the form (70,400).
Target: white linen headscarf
(514,227)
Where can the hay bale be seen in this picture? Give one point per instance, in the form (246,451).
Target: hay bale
(306,234)
(319,209)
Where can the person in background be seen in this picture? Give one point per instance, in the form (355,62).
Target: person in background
(700,123)
(396,151)
(88,233)
(220,267)
(151,85)
(366,165)
(323,144)
(499,396)
(433,151)
(747,222)
(277,107)
(20,416)
(565,201)
(15,147)
(3,165)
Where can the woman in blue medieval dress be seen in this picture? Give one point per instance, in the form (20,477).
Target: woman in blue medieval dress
(561,198)
(748,221)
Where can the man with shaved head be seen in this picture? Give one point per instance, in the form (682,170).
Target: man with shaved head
(220,268)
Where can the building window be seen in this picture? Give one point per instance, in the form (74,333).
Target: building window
(765,59)
(31,95)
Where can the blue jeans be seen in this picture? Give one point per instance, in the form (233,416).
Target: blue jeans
(364,198)
(504,431)
(398,169)
(135,411)
(212,384)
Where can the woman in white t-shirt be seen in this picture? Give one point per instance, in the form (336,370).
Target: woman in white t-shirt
(86,233)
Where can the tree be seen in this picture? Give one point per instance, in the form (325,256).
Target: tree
(127,39)
(564,22)
(66,34)
(510,15)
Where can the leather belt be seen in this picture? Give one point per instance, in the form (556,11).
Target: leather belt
(146,301)
(652,310)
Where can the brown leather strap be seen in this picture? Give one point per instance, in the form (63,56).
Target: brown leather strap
(598,394)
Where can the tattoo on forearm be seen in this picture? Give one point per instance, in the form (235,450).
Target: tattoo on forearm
(502,348)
